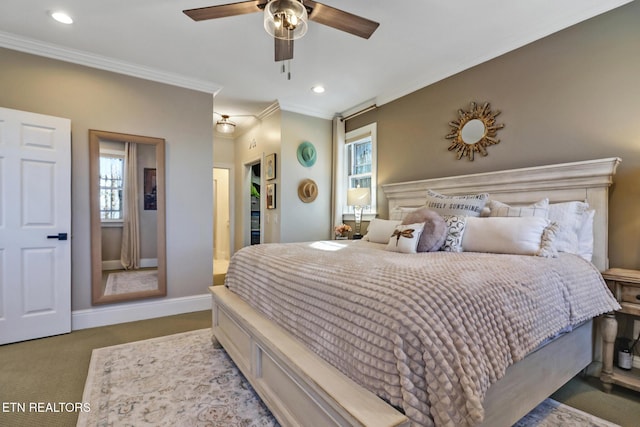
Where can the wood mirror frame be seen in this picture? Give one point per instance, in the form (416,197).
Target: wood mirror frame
(97,286)
(479,141)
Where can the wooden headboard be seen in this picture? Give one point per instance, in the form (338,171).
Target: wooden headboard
(585,181)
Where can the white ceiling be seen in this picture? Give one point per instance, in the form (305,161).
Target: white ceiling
(418,43)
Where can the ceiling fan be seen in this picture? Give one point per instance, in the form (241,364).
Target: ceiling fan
(286,20)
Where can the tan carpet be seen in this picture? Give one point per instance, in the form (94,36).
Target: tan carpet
(54,369)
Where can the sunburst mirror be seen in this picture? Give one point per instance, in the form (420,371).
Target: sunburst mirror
(474,131)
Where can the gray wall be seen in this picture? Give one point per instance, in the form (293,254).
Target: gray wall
(292,220)
(305,221)
(281,132)
(574,95)
(95,99)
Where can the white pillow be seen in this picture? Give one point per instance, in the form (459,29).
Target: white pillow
(467,205)
(585,236)
(380,230)
(569,216)
(504,235)
(405,238)
(540,208)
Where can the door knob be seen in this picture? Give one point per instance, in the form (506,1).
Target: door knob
(59,236)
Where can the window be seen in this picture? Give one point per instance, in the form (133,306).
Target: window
(360,162)
(111,183)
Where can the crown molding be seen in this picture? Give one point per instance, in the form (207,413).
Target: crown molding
(302,109)
(271,109)
(39,48)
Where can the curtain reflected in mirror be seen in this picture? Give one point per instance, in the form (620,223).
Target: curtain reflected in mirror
(127,217)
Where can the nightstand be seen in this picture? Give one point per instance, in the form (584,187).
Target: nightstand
(625,286)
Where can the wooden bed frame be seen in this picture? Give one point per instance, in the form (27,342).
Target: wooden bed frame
(301,389)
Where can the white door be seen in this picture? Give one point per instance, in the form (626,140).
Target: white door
(35,225)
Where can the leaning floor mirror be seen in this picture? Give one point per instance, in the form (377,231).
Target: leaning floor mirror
(128,253)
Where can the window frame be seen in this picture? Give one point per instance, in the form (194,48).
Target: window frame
(354,136)
(115,154)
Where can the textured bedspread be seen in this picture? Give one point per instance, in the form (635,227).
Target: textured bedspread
(427,332)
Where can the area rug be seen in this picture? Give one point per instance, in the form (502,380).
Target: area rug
(125,282)
(182,380)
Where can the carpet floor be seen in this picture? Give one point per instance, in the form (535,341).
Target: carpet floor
(54,369)
(182,380)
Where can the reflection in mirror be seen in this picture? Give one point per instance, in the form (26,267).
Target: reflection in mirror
(474,131)
(128,253)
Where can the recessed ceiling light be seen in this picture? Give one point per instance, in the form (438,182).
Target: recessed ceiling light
(318,89)
(62,17)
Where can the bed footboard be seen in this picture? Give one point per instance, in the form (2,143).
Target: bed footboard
(298,386)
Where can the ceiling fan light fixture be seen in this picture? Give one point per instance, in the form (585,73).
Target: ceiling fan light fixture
(225,125)
(285,19)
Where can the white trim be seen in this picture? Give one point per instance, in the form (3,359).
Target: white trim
(49,50)
(306,110)
(271,109)
(130,312)
(370,130)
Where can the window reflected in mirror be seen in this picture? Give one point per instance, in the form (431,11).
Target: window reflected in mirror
(127,217)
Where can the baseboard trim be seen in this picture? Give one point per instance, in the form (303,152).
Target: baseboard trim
(141,310)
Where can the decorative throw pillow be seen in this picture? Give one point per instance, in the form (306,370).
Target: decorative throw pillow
(455,231)
(569,216)
(380,229)
(405,238)
(540,209)
(467,205)
(504,235)
(434,231)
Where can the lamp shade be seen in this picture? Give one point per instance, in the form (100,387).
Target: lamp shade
(225,125)
(285,19)
(358,197)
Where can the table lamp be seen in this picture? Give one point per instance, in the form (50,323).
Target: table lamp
(358,198)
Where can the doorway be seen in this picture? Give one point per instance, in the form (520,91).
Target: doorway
(255,205)
(222,248)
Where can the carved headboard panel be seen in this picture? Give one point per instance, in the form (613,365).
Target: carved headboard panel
(585,180)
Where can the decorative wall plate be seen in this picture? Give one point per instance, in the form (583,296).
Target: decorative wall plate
(474,131)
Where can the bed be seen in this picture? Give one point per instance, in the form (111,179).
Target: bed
(301,388)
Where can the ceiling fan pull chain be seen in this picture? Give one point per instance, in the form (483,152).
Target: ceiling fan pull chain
(289,72)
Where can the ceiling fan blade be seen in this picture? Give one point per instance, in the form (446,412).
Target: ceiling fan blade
(224,10)
(341,20)
(284,49)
